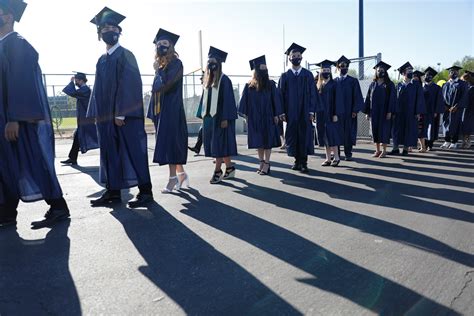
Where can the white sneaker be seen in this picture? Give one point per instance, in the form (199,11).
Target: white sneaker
(445,145)
(453,146)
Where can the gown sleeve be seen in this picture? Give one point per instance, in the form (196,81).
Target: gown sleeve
(357,99)
(229,108)
(243,104)
(129,99)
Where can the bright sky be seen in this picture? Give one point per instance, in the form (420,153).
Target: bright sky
(425,32)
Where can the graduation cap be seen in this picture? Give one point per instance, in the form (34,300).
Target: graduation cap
(165,35)
(295,47)
(254,63)
(107,16)
(218,54)
(325,64)
(431,71)
(404,67)
(15,7)
(418,73)
(343,59)
(80,76)
(382,65)
(454,68)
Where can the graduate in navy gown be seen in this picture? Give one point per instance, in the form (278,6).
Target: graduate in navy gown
(117,105)
(85,136)
(455,101)
(353,103)
(218,111)
(411,104)
(26,140)
(434,107)
(380,103)
(329,120)
(260,105)
(166,109)
(422,127)
(468,117)
(299,99)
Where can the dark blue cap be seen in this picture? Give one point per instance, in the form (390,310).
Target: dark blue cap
(107,16)
(343,59)
(295,47)
(80,76)
(325,64)
(418,73)
(404,67)
(454,68)
(254,63)
(15,7)
(382,65)
(165,35)
(431,71)
(218,54)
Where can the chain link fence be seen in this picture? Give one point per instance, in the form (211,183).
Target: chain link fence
(63,107)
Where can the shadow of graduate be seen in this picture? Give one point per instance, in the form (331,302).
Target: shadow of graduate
(192,273)
(330,272)
(34,274)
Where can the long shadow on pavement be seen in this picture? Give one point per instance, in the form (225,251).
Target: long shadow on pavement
(34,274)
(200,279)
(331,272)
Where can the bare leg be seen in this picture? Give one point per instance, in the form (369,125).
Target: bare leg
(261,158)
(336,153)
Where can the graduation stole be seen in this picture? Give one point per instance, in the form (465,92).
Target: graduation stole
(214,99)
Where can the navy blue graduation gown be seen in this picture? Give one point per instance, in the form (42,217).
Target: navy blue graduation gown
(381,99)
(168,115)
(353,103)
(260,108)
(299,99)
(330,133)
(411,102)
(118,92)
(434,105)
(220,142)
(27,165)
(468,118)
(454,94)
(86,129)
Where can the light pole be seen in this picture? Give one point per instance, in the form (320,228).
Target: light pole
(361,39)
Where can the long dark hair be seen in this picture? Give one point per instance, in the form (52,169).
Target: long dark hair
(212,79)
(161,62)
(386,78)
(259,81)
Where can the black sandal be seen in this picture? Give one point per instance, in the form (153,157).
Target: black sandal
(217,177)
(263,173)
(261,166)
(229,173)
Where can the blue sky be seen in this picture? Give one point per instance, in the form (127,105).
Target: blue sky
(423,32)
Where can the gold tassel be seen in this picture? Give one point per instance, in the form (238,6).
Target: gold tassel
(157,103)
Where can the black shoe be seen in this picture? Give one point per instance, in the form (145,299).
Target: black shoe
(51,217)
(108,197)
(265,173)
(69,162)
(405,152)
(194,149)
(348,159)
(395,152)
(304,169)
(141,200)
(296,166)
(229,173)
(335,163)
(7,221)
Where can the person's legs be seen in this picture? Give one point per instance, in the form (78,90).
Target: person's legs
(261,158)
(266,165)
(74,152)
(8,212)
(172,180)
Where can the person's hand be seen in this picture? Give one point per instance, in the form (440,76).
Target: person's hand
(436,115)
(12,130)
(72,79)
(224,124)
(418,117)
(354,115)
(119,122)
(453,109)
(311,117)
(367,117)
(276,120)
(389,116)
(334,118)
(283,118)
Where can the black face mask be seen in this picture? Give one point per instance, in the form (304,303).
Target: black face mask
(428,79)
(296,61)
(453,75)
(344,71)
(212,66)
(110,38)
(410,75)
(326,75)
(381,74)
(162,50)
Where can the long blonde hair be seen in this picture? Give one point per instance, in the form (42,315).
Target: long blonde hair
(161,62)
(213,79)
